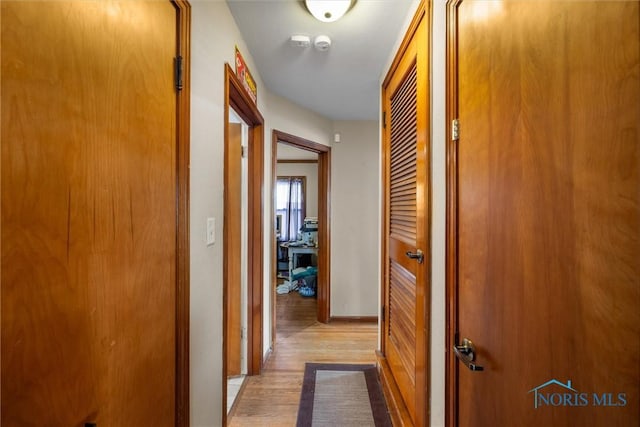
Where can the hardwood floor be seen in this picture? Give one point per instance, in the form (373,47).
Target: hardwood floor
(272,398)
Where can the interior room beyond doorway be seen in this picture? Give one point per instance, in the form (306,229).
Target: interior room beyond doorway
(296,214)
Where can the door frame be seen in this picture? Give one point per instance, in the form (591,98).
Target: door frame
(237,98)
(183,129)
(451,239)
(324,230)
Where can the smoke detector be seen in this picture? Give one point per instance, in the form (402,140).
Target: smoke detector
(300,41)
(322,43)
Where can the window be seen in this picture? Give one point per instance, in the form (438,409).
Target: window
(290,203)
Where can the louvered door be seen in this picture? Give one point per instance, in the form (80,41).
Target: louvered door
(406,227)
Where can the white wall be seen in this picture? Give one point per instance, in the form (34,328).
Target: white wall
(355,211)
(214,36)
(310,172)
(438,212)
(213,39)
(438,202)
(291,118)
(288,152)
(438,218)
(284,116)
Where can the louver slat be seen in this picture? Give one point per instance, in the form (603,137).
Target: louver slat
(402,225)
(403,161)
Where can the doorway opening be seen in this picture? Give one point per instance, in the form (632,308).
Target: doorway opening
(236,283)
(320,247)
(238,101)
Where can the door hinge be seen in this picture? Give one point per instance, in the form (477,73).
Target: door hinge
(243,151)
(382,314)
(384,119)
(455,129)
(178,72)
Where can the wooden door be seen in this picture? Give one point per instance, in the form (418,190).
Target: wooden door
(88,213)
(548,212)
(233,251)
(406,227)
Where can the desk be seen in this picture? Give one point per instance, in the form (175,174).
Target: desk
(297,250)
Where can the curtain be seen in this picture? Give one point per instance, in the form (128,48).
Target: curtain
(290,203)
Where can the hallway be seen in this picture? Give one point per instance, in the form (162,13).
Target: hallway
(272,398)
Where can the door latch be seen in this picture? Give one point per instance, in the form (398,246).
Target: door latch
(416,255)
(466,353)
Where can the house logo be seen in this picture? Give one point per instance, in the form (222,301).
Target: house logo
(540,397)
(557,393)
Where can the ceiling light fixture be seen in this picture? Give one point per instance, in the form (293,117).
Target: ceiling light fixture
(328,10)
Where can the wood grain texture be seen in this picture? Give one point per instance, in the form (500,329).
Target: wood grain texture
(256,241)
(233,248)
(89,175)
(451,298)
(357,319)
(395,402)
(549,208)
(183,9)
(400,321)
(324,235)
(272,398)
(237,98)
(406,215)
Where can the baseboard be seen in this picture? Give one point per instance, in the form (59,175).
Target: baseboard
(266,356)
(397,409)
(355,319)
(232,411)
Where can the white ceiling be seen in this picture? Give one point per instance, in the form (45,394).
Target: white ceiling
(342,83)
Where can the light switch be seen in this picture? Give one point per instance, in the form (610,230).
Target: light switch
(211,231)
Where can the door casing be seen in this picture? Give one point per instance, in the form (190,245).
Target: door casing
(324,230)
(237,98)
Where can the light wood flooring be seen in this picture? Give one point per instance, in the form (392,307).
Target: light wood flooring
(271,399)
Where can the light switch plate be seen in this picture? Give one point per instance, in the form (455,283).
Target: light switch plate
(211,231)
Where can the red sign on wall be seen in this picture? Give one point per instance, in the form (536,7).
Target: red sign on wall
(242,71)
